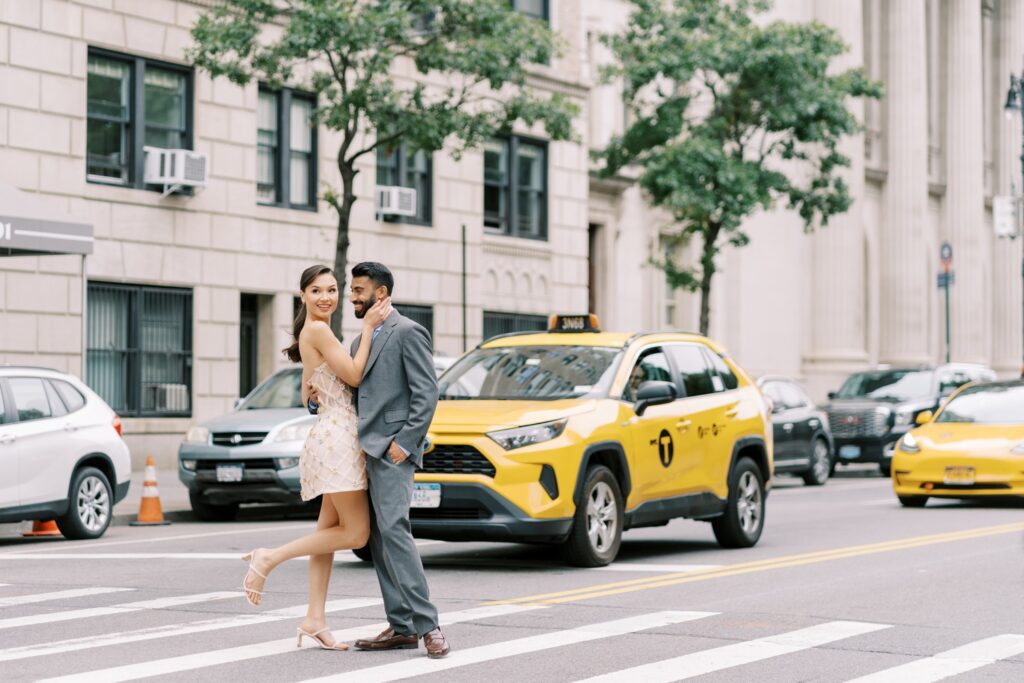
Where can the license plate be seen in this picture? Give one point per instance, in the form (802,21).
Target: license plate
(959,475)
(426,496)
(230,473)
(849,451)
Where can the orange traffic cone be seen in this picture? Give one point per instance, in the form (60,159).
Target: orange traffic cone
(150,512)
(43,528)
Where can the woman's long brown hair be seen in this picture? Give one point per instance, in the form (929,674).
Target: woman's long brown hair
(308,275)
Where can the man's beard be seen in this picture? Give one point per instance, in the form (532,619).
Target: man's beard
(365,306)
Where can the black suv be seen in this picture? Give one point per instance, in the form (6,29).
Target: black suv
(873,409)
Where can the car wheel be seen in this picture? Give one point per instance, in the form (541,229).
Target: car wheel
(743,521)
(885,468)
(89,507)
(207,512)
(821,464)
(363,553)
(597,525)
(913,501)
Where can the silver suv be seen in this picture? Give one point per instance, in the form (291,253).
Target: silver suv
(61,452)
(250,455)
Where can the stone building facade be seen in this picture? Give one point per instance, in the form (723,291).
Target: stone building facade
(863,291)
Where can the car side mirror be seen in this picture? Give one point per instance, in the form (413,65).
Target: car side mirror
(924,417)
(238,402)
(831,395)
(770,404)
(654,393)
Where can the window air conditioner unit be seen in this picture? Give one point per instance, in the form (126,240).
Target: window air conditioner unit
(175,168)
(169,397)
(400,201)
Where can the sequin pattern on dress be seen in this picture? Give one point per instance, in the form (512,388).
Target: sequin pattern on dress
(332,460)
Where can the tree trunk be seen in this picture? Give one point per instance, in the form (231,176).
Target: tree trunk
(707,261)
(348,176)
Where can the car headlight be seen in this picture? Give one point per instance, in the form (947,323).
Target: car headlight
(518,437)
(286,463)
(1018,449)
(294,432)
(189,465)
(197,435)
(903,417)
(908,444)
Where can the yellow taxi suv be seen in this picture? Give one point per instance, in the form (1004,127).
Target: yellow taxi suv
(973,447)
(572,435)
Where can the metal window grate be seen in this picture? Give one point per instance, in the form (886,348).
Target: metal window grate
(424,315)
(496,322)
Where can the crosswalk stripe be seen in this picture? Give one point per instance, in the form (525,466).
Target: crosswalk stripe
(171,630)
(346,558)
(161,667)
(727,656)
(58,595)
(160,603)
(476,655)
(638,567)
(952,662)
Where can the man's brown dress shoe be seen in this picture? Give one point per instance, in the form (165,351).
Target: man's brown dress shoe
(435,643)
(389,640)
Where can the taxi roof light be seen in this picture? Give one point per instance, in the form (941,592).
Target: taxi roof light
(574,323)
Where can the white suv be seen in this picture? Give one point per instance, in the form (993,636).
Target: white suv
(61,452)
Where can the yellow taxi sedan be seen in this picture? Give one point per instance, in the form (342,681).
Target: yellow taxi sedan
(974,446)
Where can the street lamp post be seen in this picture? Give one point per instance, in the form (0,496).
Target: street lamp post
(1015,103)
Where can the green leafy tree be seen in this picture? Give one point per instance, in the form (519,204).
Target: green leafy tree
(347,51)
(729,117)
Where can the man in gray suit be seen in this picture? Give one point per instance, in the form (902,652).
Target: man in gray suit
(395,402)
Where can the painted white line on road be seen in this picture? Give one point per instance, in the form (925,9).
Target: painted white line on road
(58,595)
(171,630)
(748,652)
(952,662)
(637,567)
(346,558)
(486,653)
(160,603)
(162,667)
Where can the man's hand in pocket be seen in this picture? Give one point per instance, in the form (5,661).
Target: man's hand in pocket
(396,453)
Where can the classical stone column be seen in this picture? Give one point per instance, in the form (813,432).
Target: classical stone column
(906,280)
(970,323)
(1008,297)
(837,328)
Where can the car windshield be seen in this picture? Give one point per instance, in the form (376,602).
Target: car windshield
(889,385)
(991,405)
(530,373)
(283,390)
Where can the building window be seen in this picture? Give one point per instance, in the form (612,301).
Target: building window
(538,9)
(424,315)
(286,173)
(398,167)
(139,355)
(515,188)
(496,322)
(133,103)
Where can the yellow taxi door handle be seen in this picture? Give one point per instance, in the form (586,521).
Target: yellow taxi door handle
(732,413)
(683,425)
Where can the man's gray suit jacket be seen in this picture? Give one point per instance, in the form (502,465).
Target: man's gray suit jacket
(398,394)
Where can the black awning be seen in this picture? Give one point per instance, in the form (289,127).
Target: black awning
(29,224)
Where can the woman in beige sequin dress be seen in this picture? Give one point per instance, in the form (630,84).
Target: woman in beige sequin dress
(332,463)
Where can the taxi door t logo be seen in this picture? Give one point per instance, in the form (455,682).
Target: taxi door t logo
(665,448)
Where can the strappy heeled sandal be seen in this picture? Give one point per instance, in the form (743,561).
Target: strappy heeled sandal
(251,559)
(300,632)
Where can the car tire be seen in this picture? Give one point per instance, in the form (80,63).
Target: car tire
(90,505)
(208,512)
(364,553)
(741,524)
(913,501)
(821,464)
(886,469)
(596,533)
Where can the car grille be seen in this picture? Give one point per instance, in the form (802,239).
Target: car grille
(848,424)
(457,460)
(250,464)
(244,438)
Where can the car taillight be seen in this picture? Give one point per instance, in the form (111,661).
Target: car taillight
(117,425)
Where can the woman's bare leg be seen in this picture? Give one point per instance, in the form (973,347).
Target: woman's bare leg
(320,572)
(352,531)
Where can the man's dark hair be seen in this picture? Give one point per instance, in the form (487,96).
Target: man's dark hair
(377,272)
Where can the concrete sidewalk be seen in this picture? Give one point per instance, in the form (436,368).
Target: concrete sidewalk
(173,498)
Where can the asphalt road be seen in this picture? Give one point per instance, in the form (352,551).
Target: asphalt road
(844,584)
